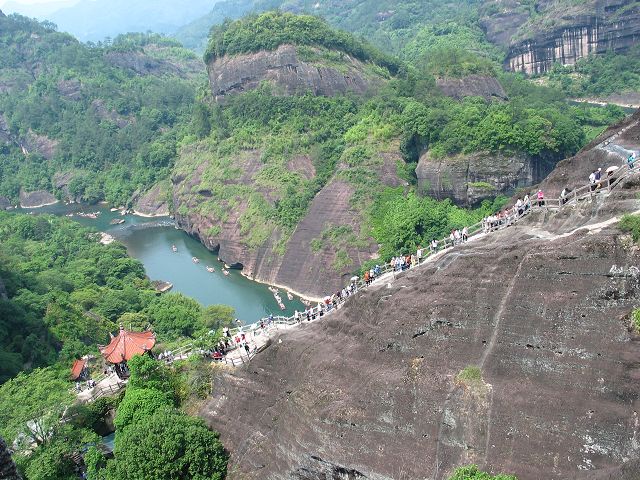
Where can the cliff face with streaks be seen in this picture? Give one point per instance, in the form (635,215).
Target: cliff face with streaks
(309,263)
(555,31)
(290,71)
(468,179)
(378,390)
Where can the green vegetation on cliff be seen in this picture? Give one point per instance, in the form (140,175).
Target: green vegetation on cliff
(270,30)
(599,76)
(108,115)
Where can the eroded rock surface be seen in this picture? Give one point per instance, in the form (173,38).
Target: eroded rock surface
(560,32)
(155,202)
(39,198)
(290,74)
(373,388)
(483,86)
(469,179)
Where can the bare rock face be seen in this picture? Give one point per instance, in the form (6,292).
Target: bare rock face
(36,199)
(374,390)
(286,69)
(155,202)
(306,263)
(40,144)
(71,89)
(469,179)
(595,26)
(140,63)
(483,86)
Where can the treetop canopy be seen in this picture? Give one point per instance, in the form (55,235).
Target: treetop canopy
(270,30)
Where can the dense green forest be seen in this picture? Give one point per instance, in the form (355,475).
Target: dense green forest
(117,108)
(599,76)
(62,293)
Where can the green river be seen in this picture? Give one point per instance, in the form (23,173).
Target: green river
(150,241)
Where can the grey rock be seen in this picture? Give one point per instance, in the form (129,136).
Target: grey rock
(483,86)
(287,71)
(469,179)
(606,25)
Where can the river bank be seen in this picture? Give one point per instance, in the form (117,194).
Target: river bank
(150,240)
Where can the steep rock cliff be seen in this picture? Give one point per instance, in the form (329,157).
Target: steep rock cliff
(311,260)
(374,392)
(289,71)
(39,198)
(374,389)
(469,179)
(561,32)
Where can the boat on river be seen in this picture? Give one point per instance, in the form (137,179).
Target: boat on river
(117,221)
(174,248)
(289,296)
(195,259)
(226,272)
(210,269)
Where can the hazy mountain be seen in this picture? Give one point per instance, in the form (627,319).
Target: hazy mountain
(96,19)
(37,10)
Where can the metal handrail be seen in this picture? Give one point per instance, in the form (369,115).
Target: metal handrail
(473,230)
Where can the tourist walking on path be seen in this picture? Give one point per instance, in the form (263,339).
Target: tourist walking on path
(540,198)
(631,160)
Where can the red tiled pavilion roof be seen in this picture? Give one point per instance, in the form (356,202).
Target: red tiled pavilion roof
(127,344)
(76,369)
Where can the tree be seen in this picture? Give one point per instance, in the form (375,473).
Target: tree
(31,405)
(168,444)
(140,403)
(147,373)
(218,316)
(471,472)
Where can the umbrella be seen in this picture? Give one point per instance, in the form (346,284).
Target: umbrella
(354,278)
(613,168)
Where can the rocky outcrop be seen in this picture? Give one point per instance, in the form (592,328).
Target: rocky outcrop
(71,89)
(564,35)
(307,262)
(105,113)
(155,202)
(287,71)
(36,199)
(545,319)
(141,64)
(40,144)
(483,86)
(5,203)
(8,470)
(469,179)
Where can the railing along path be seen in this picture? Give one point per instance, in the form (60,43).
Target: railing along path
(264,327)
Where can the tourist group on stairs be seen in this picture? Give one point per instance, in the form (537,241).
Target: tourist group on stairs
(400,263)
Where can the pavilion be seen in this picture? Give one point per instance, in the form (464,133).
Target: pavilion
(124,346)
(79,369)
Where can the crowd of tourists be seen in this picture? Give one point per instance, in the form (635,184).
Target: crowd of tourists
(497,221)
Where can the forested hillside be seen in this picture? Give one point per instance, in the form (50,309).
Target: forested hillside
(269,152)
(496,31)
(69,110)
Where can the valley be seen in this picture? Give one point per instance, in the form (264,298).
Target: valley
(260,148)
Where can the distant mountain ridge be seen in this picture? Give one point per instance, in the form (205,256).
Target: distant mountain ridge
(94,20)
